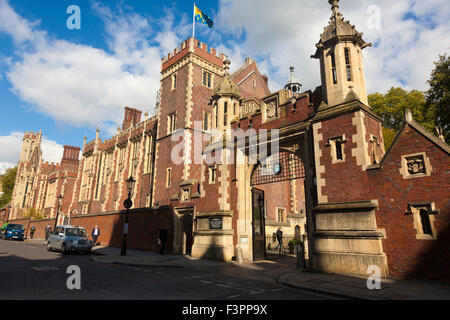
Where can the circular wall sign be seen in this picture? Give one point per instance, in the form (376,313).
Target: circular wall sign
(276,168)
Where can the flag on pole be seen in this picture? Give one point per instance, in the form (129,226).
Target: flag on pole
(202,18)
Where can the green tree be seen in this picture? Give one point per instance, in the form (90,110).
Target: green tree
(438,96)
(7,180)
(390,107)
(36,214)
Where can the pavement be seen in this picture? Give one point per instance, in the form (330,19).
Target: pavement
(282,269)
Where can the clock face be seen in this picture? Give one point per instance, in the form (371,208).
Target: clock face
(276,168)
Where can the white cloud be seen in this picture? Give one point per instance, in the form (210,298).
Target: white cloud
(51,150)
(82,85)
(281,33)
(12,147)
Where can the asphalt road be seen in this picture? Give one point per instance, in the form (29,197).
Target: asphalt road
(28,271)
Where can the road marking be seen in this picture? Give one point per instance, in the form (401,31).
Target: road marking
(223,285)
(235,296)
(41,269)
(278,289)
(207,282)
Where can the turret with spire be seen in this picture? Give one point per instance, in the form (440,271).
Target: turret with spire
(225,99)
(293,84)
(340,53)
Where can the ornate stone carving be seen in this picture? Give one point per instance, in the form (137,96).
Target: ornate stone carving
(185,195)
(416,165)
(271,110)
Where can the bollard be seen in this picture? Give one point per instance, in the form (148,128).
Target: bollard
(239,255)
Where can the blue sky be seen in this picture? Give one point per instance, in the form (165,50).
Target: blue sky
(69,82)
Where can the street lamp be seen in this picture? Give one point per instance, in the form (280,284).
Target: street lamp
(127,204)
(60,197)
(8,212)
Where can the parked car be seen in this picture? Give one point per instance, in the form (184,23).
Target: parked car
(12,231)
(69,239)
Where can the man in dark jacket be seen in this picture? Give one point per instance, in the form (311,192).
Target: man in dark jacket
(163,239)
(47,231)
(32,231)
(95,234)
(279,238)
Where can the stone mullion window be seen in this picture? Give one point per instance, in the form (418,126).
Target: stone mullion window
(337,149)
(207,79)
(149,153)
(333,67)
(347,64)
(225,114)
(423,220)
(168,177)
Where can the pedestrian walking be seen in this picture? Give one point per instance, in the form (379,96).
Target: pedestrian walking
(162,239)
(95,234)
(32,231)
(280,239)
(47,231)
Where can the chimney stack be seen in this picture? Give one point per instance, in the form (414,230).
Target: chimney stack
(71,154)
(131,118)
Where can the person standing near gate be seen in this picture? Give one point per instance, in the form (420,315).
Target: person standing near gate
(95,234)
(47,231)
(162,239)
(279,238)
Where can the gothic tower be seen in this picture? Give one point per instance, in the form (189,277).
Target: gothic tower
(27,169)
(340,53)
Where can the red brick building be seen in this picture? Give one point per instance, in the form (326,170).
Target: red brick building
(225,162)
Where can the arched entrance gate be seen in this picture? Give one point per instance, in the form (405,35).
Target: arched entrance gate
(282,166)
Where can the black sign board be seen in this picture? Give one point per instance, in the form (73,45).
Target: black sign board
(215,223)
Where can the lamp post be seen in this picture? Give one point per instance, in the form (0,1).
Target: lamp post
(127,204)
(8,212)
(60,197)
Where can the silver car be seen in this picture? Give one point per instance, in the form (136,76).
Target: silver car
(69,238)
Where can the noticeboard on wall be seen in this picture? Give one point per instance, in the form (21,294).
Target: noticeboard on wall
(215,223)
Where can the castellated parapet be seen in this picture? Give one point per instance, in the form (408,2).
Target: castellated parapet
(192,45)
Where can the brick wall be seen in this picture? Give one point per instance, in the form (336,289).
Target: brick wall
(408,256)
(143,230)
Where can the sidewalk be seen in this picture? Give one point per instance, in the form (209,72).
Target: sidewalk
(356,287)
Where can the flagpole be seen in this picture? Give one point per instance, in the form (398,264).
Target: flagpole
(193,23)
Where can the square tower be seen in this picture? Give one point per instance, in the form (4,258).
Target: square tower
(188,75)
